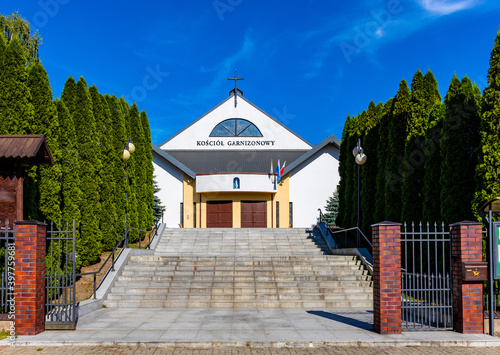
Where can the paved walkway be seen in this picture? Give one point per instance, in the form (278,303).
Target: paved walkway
(257,328)
(101,350)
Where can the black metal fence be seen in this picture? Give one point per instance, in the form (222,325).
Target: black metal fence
(60,277)
(426,285)
(7,232)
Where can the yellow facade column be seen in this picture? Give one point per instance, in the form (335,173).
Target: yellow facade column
(236,212)
(189,188)
(283,197)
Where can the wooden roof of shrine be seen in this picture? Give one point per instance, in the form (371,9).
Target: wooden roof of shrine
(19,149)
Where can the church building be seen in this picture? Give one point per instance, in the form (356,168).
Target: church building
(238,167)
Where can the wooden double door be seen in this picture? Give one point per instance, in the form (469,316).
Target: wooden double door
(219,214)
(253,214)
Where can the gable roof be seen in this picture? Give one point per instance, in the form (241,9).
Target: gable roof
(222,103)
(174,161)
(233,161)
(331,139)
(25,149)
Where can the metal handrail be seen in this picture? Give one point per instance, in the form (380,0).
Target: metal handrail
(354,228)
(329,229)
(112,254)
(322,216)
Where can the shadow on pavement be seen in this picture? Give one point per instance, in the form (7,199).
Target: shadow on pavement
(344,319)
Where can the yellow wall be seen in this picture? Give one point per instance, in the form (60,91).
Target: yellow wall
(188,200)
(283,196)
(190,196)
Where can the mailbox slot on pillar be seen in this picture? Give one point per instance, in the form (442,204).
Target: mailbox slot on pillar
(475,271)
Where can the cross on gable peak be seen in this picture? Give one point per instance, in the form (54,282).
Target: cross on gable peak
(236,90)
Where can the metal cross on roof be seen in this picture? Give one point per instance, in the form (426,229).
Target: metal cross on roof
(235,86)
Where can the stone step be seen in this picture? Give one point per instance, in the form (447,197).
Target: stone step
(234,289)
(244,297)
(362,276)
(246,259)
(203,283)
(245,268)
(240,304)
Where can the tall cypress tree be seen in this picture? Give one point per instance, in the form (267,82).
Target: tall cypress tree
(383,132)
(69,93)
(414,160)
(458,148)
(395,152)
(342,189)
(138,166)
(46,122)
(107,184)
(149,169)
(488,184)
(87,140)
(17,109)
(370,168)
(3,74)
(357,132)
(71,194)
(431,209)
(119,139)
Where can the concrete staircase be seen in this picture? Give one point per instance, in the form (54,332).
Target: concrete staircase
(242,268)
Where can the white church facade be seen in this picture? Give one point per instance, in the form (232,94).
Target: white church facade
(216,172)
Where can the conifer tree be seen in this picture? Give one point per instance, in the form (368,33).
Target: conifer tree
(488,183)
(70,181)
(107,184)
(157,205)
(149,169)
(370,168)
(138,175)
(119,138)
(134,172)
(431,209)
(342,190)
(89,246)
(458,149)
(3,94)
(395,152)
(332,209)
(69,93)
(383,132)
(357,132)
(46,122)
(17,109)
(414,160)
(432,95)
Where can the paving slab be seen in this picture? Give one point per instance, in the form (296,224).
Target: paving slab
(262,327)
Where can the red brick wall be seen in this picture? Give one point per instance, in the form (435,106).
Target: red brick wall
(30,245)
(386,239)
(466,241)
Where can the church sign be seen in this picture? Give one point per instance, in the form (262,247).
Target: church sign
(245,143)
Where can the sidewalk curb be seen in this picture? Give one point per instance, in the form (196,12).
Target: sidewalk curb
(272,344)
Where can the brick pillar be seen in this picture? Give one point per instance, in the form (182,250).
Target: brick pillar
(466,246)
(30,245)
(386,240)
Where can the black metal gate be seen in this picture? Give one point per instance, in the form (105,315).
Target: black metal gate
(7,232)
(426,286)
(60,277)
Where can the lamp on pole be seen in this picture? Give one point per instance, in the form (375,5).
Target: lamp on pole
(360,159)
(128,150)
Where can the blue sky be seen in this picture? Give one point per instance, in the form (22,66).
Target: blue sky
(306,63)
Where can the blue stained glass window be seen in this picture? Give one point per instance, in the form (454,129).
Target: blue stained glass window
(235,127)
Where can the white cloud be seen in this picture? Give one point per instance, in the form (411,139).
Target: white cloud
(446,7)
